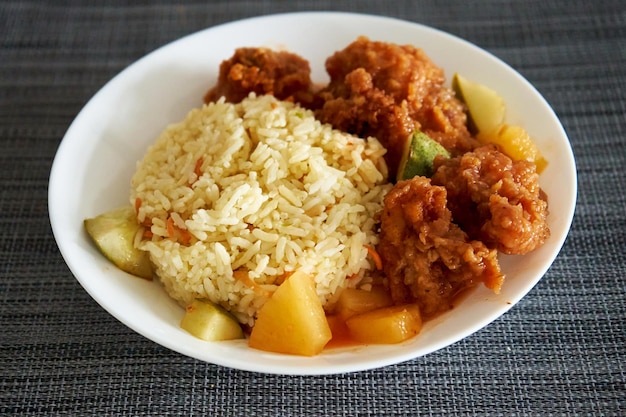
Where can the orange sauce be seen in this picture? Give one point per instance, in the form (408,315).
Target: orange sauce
(341,334)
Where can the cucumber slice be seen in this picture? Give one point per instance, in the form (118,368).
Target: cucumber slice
(208,321)
(486,109)
(114,234)
(418,156)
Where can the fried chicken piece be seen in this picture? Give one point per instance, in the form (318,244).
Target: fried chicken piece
(494,199)
(283,74)
(426,258)
(388,91)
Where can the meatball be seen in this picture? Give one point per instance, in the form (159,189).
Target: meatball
(388,91)
(262,71)
(426,258)
(494,199)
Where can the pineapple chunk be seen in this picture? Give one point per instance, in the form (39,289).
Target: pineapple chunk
(386,325)
(292,321)
(354,301)
(208,321)
(515,142)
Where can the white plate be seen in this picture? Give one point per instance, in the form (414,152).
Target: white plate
(96,159)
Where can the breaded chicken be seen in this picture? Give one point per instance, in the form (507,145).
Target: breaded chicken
(426,258)
(494,199)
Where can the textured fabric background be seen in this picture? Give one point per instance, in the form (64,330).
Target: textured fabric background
(560,351)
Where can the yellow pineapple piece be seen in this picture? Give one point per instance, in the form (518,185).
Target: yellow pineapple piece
(293,320)
(515,142)
(386,325)
(354,301)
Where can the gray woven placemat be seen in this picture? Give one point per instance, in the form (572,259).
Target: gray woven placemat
(560,351)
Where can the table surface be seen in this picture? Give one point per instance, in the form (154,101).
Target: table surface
(560,351)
